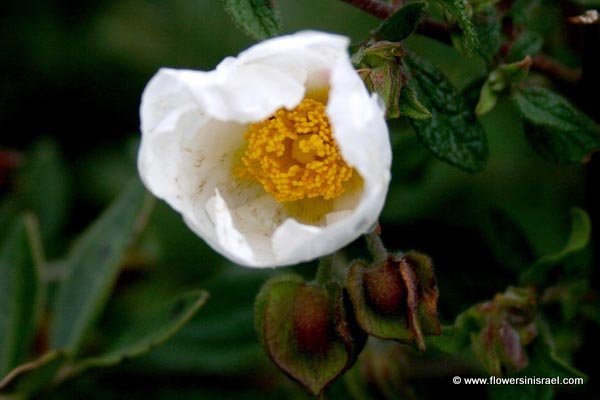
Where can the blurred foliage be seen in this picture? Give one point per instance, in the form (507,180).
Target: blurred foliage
(73,74)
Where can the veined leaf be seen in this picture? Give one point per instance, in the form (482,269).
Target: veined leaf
(92,268)
(257,18)
(459,11)
(452,133)
(556,129)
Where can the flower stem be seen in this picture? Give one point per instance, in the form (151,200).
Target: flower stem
(375,246)
(325,269)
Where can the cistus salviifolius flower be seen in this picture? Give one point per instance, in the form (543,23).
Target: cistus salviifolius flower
(278,156)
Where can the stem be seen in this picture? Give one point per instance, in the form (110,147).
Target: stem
(325,269)
(376,247)
(374,7)
(555,69)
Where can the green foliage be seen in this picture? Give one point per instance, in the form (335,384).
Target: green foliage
(155,328)
(410,106)
(452,133)
(557,130)
(92,267)
(488,27)
(528,43)
(222,333)
(403,22)
(459,11)
(214,353)
(499,79)
(257,18)
(577,240)
(20,292)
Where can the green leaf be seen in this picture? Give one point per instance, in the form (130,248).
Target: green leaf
(452,133)
(403,22)
(488,28)
(528,44)
(153,330)
(257,18)
(93,265)
(20,293)
(499,79)
(459,11)
(487,99)
(578,239)
(556,129)
(28,378)
(223,333)
(410,106)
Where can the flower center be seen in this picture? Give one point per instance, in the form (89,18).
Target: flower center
(294,156)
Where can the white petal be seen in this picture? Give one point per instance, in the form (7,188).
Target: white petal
(193,124)
(228,237)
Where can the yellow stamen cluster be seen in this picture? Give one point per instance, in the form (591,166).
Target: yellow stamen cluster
(294,156)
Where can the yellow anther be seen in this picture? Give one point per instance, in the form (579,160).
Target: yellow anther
(294,156)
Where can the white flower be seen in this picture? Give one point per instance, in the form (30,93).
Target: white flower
(278,156)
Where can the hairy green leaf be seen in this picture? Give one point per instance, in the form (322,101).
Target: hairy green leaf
(579,237)
(257,18)
(556,129)
(20,289)
(93,265)
(403,22)
(410,106)
(488,28)
(458,9)
(452,133)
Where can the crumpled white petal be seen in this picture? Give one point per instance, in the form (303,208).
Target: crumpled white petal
(193,126)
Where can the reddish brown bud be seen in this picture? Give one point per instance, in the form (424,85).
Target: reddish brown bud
(385,289)
(312,320)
